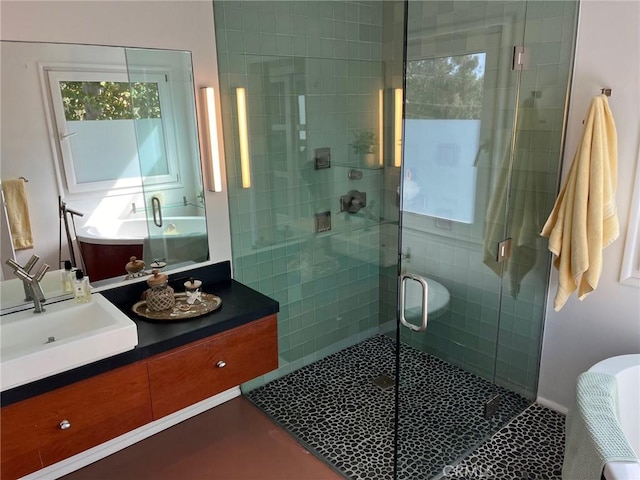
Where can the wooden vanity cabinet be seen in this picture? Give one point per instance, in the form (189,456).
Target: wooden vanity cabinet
(187,375)
(18,441)
(45,429)
(48,428)
(85,414)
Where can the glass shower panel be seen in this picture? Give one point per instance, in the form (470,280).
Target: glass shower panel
(293,238)
(533,186)
(307,225)
(460,99)
(172,201)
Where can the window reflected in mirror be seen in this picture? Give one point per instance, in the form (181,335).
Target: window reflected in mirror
(101,117)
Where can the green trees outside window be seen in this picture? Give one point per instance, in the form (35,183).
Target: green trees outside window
(110,100)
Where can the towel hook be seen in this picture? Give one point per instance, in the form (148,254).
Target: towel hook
(606,91)
(24,179)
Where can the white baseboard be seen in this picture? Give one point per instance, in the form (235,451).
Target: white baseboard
(103,450)
(552,405)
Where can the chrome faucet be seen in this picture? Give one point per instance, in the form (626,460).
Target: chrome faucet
(32,288)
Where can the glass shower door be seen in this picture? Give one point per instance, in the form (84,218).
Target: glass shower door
(172,203)
(460,98)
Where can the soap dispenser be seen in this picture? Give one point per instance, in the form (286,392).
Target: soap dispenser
(81,288)
(67,277)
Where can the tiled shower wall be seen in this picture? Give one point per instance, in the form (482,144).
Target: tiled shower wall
(312,72)
(334,287)
(495,313)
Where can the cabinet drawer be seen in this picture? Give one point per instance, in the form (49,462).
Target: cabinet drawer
(97,410)
(188,375)
(18,441)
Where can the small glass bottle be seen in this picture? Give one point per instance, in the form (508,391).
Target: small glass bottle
(81,288)
(67,276)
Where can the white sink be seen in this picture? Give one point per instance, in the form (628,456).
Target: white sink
(82,333)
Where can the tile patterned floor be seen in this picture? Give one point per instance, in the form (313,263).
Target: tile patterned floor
(531,447)
(335,410)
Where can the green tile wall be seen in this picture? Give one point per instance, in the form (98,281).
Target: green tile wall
(336,287)
(329,54)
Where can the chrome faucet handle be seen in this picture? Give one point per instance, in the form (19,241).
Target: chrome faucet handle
(27,266)
(13,264)
(19,272)
(24,276)
(31,263)
(32,288)
(41,271)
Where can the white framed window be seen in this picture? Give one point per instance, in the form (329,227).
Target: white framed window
(114,133)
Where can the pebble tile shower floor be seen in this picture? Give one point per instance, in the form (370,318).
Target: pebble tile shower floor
(333,407)
(530,447)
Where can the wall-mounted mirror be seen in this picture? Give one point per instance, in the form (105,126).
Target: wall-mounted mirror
(110,133)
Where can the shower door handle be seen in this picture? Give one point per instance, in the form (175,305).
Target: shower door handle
(157,211)
(425,296)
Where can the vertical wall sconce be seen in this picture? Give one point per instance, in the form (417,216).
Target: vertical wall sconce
(380,128)
(215,176)
(397,128)
(245,165)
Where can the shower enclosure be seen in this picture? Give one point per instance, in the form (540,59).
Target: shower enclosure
(390,165)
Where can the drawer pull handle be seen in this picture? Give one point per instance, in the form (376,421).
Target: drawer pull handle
(221,364)
(64,424)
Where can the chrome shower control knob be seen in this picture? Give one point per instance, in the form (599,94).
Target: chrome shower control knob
(221,364)
(64,424)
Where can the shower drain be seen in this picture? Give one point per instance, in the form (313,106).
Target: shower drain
(384,382)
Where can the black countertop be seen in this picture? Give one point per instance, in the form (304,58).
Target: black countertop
(240,305)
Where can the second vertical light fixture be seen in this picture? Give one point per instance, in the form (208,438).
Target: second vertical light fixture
(245,164)
(381,128)
(397,127)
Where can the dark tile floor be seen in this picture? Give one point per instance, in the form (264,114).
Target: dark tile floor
(334,408)
(531,447)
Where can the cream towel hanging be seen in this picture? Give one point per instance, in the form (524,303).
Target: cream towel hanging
(584,218)
(15,197)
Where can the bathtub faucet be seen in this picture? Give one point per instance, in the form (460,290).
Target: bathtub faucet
(63,210)
(32,288)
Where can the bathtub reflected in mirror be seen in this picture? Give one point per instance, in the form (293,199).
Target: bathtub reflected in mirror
(182,238)
(113,132)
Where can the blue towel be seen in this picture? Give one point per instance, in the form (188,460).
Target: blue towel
(594,434)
